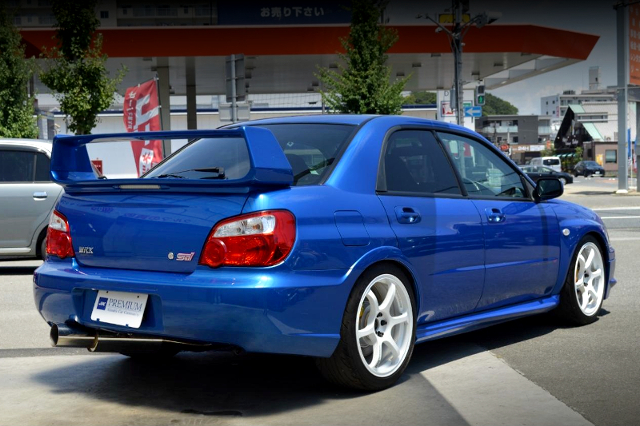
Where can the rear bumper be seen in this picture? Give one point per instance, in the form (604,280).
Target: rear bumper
(272,310)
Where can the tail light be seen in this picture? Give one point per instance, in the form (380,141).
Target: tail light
(255,239)
(59,236)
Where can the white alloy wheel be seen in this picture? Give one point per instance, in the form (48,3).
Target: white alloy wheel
(589,279)
(563,180)
(384,330)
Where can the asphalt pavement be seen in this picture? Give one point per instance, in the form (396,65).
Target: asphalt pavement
(527,372)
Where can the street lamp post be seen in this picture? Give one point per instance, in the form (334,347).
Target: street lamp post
(456,36)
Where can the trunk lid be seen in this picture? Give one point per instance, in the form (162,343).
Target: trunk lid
(145,231)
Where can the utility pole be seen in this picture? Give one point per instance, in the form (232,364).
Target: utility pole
(456,36)
(623,81)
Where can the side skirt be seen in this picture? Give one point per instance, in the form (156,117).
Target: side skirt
(474,321)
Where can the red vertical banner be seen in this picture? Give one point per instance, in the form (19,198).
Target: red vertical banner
(634,44)
(142,114)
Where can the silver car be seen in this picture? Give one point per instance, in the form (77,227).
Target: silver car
(27,196)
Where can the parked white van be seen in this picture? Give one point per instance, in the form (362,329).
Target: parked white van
(551,162)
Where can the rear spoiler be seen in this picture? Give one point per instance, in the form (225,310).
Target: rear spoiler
(71,166)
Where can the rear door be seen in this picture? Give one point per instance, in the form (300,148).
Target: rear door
(438,229)
(27,195)
(522,238)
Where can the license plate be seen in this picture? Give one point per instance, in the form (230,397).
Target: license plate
(121,308)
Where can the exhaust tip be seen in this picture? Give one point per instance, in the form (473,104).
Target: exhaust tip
(53,335)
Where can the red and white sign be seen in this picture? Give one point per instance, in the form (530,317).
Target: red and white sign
(142,114)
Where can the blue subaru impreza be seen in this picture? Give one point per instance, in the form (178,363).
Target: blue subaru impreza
(345,238)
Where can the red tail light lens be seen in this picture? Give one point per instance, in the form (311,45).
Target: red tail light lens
(255,239)
(59,236)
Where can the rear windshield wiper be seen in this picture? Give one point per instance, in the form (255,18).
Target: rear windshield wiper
(219,173)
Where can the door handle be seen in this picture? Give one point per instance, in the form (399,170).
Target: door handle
(407,215)
(495,215)
(39,195)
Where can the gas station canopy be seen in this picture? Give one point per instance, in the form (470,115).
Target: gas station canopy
(284,59)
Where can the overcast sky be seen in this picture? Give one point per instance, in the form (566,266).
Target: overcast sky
(587,16)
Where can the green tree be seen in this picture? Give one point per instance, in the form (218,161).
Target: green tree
(75,68)
(362,83)
(420,98)
(497,106)
(16,108)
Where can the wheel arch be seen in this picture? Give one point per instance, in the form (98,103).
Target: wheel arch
(602,244)
(391,256)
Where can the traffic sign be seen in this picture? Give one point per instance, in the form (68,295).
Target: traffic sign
(473,111)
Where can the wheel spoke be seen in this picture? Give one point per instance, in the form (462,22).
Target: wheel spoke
(376,357)
(388,299)
(591,294)
(392,346)
(589,261)
(374,307)
(585,299)
(400,319)
(595,274)
(368,330)
(580,284)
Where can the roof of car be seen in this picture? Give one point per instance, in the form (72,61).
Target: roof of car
(358,119)
(34,143)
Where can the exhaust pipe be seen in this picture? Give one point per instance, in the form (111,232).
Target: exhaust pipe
(75,337)
(63,335)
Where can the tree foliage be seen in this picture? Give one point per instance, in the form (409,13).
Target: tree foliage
(75,67)
(362,83)
(497,106)
(420,98)
(16,108)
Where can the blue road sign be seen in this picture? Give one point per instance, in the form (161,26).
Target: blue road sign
(473,111)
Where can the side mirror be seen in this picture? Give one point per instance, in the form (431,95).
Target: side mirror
(547,188)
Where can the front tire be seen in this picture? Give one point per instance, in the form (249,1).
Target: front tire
(583,291)
(377,333)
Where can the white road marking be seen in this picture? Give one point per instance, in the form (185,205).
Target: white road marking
(615,208)
(620,217)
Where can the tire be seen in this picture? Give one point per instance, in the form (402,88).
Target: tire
(43,247)
(587,265)
(563,181)
(575,174)
(353,363)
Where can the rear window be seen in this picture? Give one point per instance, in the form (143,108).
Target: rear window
(311,148)
(551,162)
(209,158)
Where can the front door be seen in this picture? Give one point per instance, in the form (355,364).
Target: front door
(522,237)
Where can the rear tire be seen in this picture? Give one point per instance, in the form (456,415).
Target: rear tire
(43,247)
(583,291)
(377,333)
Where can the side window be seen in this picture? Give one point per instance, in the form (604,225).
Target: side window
(16,166)
(42,168)
(484,173)
(415,162)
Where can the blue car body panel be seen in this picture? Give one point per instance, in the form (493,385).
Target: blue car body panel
(466,271)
